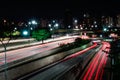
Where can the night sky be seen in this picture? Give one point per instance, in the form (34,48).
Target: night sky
(57,8)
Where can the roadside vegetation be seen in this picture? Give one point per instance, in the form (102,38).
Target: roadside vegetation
(77,43)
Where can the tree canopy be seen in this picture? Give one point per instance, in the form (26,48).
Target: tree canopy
(41,34)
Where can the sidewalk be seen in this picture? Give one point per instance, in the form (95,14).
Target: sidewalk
(33,43)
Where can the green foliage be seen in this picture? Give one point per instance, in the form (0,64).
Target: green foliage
(77,43)
(16,33)
(40,34)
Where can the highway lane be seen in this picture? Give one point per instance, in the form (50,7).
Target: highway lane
(29,51)
(20,43)
(95,69)
(55,72)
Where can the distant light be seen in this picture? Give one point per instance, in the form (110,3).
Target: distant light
(109,26)
(56,24)
(34,22)
(5,21)
(75,21)
(25,33)
(76,27)
(69,26)
(53,21)
(84,15)
(105,29)
(80,25)
(81,28)
(13,23)
(15,28)
(115,29)
(29,23)
(49,25)
(85,34)
(92,26)
(51,29)
(96,26)
(31,28)
(95,22)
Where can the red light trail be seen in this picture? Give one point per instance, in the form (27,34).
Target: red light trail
(95,69)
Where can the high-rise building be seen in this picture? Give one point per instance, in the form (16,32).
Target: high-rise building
(44,23)
(68,19)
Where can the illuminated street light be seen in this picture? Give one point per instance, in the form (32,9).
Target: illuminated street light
(95,22)
(96,26)
(34,22)
(69,26)
(84,15)
(31,28)
(109,26)
(81,28)
(75,21)
(101,35)
(4,21)
(105,29)
(92,26)
(80,25)
(76,27)
(29,23)
(56,24)
(25,33)
(86,28)
(53,21)
(49,25)
(115,29)
(51,29)
(15,28)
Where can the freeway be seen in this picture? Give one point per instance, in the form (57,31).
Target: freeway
(14,55)
(20,43)
(59,70)
(95,69)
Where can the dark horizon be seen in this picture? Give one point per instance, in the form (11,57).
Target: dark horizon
(56,9)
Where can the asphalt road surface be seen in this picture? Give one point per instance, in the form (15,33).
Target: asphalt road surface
(29,51)
(55,72)
(95,69)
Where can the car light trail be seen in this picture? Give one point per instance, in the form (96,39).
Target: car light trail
(29,51)
(95,69)
(80,52)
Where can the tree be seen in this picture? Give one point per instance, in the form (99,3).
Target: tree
(40,34)
(6,34)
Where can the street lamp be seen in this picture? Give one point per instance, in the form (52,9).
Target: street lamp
(105,29)
(75,21)
(56,24)
(49,25)
(29,23)
(31,28)
(34,22)
(25,33)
